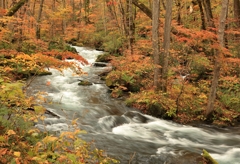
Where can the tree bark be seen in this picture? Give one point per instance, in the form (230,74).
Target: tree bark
(64,23)
(38,35)
(131,26)
(155,42)
(142,7)
(237,12)
(203,27)
(166,43)
(208,11)
(217,65)
(16,7)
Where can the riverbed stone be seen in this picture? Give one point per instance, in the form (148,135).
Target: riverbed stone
(84,83)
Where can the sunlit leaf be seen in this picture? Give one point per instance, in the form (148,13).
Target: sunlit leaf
(17,153)
(39,109)
(49,139)
(11,132)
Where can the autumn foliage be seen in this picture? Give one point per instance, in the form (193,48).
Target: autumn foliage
(36,38)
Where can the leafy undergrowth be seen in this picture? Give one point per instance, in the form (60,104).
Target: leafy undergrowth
(186,99)
(20,142)
(20,65)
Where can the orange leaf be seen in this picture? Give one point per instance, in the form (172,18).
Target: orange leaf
(3,151)
(48,83)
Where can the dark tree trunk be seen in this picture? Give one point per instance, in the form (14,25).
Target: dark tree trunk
(203,27)
(237,12)
(16,7)
(38,35)
(209,15)
(142,7)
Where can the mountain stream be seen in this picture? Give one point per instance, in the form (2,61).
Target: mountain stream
(124,133)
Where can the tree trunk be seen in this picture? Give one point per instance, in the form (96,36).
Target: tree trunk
(237,12)
(73,10)
(217,65)
(86,11)
(16,7)
(178,5)
(209,15)
(38,35)
(166,43)
(123,18)
(144,8)
(203,27)
(130,26)
(155,40)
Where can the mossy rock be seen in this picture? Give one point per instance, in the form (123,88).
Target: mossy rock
(104,58)
(71,49)
(84,83)
(99,64)
(156,110)
(43,73)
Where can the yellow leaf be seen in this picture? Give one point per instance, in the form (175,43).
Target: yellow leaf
(17,153)
(33,131)
(10,132)
(74,122)
(49,139)
(39,109)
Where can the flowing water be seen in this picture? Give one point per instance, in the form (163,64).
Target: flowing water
(123,132)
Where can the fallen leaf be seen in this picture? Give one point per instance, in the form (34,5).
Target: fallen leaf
(17,153)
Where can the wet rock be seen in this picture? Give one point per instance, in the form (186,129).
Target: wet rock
(104,58)
(157,110)
(100,64)
(84,83)
(136,117)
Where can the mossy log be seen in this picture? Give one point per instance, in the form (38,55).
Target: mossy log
(208,158)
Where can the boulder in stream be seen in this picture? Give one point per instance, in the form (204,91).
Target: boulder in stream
(84,83)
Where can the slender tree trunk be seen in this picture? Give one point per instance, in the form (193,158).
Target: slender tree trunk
(123,18)
(131,27)
(104,19)
(64,23)
(209,15)
(237,12)
(203,26)
(86,11)
(38,35)
(79,18)
(144,8)
(155,40)
(217,65)
(73,10)
(166,43)
(178,4)
(52,31)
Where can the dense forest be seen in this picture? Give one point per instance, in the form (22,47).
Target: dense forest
(172,59)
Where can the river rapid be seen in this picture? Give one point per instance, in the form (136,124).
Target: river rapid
(124,133)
